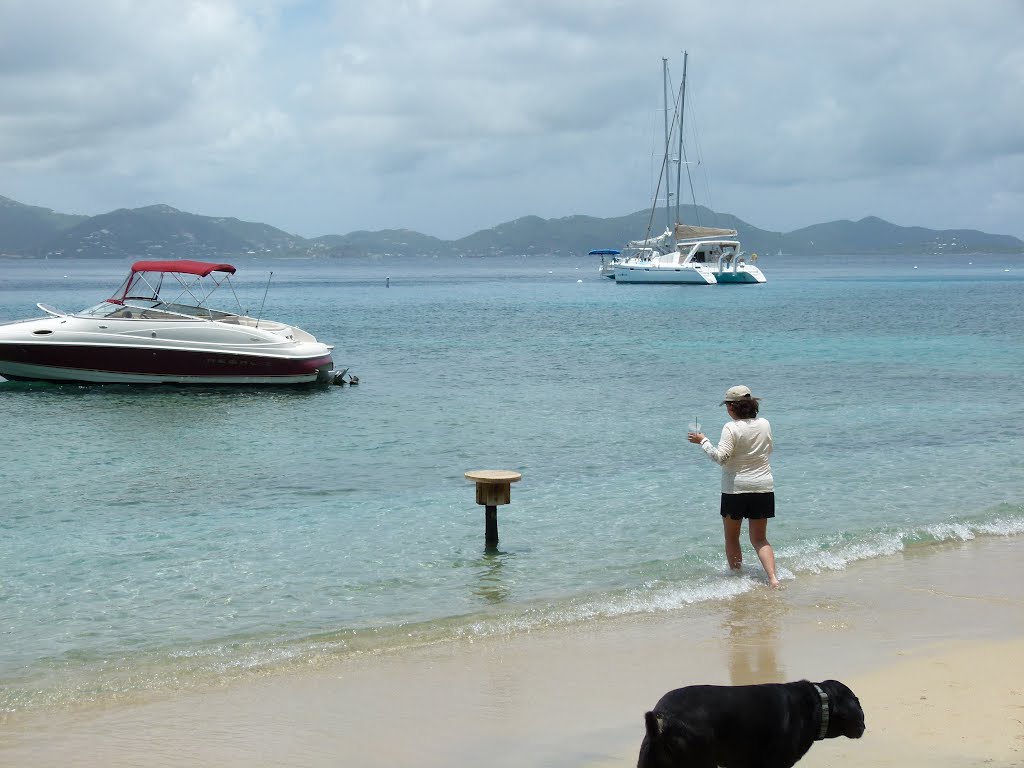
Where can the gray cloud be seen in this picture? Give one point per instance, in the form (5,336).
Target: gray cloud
(448,116)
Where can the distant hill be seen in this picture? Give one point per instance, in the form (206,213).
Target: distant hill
(874,235)
(385,241)
(24,227)
(159,231)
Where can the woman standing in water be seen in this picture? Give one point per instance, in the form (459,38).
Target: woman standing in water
(748,490)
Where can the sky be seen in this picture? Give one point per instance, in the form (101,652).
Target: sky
(450,116)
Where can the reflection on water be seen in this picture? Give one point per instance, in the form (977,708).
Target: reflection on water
(752,622)
(492,587)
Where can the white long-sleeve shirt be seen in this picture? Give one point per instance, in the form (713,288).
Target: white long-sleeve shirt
(743,452)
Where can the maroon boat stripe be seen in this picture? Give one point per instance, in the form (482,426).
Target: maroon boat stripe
(160,362)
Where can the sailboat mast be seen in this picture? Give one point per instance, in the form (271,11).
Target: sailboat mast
(682,112)
(665,165)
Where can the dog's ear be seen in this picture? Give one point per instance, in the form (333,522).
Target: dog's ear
(655,725)
(670,736)
(653,752)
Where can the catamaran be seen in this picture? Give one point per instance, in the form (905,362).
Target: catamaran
(684,253)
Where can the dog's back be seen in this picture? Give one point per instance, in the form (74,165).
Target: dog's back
(770,725)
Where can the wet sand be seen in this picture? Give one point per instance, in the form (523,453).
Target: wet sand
(931,640)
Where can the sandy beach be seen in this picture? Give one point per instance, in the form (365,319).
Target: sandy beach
(930,640)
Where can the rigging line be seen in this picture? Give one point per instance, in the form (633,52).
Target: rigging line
(703,166)
(689,179)
(238,301)
(689,176)
(654,203)
(663,173)
(666,170)
(668,140)
(265,292)
(681,110)
(676,129)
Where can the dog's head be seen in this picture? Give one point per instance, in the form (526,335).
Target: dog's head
(846,718)
(668,743)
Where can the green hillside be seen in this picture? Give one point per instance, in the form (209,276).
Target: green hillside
(23,227)
(159,231)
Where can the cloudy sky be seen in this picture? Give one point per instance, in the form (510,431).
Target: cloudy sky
(449,116)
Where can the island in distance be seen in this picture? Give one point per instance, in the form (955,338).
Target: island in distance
(162,231)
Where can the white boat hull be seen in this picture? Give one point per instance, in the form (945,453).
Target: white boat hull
(674,275)
(187,351)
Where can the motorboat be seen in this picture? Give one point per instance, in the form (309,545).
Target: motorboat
(607,268)
(158,328)
(687,255)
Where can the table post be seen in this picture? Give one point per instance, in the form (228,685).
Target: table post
(493,488)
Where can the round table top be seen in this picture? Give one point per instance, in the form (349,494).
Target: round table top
(493,476)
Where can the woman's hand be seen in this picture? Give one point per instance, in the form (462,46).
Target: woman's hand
(695,437)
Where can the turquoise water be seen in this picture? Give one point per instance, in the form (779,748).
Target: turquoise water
(157,539)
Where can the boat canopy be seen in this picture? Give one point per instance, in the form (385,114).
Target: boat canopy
(604,252)
(146,280)
(183,266)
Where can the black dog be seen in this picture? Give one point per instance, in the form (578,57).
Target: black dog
(743,726)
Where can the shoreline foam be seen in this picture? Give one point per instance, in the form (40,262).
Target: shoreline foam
(930,641)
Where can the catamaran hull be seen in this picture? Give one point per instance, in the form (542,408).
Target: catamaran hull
(665,275)
(123,364)
(745,276)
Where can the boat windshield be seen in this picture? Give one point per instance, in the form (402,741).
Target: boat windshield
(135,309)
(103,309)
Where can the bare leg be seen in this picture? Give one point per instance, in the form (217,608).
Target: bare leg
(758,530)
(733,552)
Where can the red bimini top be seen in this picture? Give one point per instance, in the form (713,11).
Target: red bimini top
(185,266)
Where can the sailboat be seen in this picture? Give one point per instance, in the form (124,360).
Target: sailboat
(683,254)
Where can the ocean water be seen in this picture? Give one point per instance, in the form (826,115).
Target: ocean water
(158,539)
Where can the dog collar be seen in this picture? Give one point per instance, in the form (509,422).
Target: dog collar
(824,712)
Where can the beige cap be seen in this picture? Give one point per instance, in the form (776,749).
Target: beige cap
(737,393)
